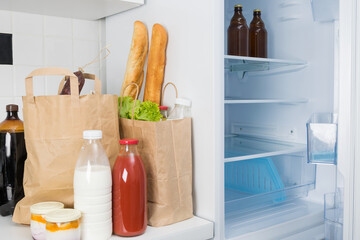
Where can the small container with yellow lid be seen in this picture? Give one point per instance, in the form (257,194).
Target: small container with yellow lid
(63,224)
(38,222)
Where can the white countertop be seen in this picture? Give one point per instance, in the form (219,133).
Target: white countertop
(194,228)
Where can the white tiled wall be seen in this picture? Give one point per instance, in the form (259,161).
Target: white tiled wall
(44,41)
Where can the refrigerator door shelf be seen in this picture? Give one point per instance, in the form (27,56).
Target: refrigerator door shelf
(322,133)
(325,10)
(239,148)
(334,216)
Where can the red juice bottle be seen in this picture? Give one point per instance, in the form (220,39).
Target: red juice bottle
(129,191)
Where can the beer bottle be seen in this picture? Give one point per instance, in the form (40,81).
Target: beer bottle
(258,36)
(238,34)
(12,160)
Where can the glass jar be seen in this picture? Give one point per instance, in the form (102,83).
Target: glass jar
(12,159)
(92,188)
(38,222)
(164,112)
(129,191)
(181,110)
(63,224)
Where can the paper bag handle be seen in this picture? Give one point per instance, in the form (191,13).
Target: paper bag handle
(163,92)
(136,96)
(51,71)
(86,76)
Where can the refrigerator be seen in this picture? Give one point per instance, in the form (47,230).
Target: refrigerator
(257,121)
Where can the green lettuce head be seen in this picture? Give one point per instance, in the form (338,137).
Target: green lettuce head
(127,106)
(148,111)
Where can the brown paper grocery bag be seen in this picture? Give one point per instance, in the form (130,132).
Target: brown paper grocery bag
(53,136)
(165,148)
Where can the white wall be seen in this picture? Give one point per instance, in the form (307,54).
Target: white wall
(189,66)
(43,41)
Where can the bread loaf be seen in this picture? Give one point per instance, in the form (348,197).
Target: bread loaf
(136,60)
(156,64)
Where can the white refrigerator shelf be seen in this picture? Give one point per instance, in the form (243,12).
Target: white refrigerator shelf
(279,221)
(280,101)
(239,148)
(254,64)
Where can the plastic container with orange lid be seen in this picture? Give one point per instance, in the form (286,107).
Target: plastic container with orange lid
(63,224)
(38,222)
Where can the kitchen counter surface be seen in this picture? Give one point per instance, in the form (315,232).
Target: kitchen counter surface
(194,228)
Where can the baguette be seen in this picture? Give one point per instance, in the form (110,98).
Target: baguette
(135,65)
(156,64)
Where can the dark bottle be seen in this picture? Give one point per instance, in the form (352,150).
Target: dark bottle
(258,36)
(238,34)
(12,159)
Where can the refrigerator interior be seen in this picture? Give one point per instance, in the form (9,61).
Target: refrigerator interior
(267,104)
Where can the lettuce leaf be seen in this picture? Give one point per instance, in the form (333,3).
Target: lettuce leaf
(127,106)
(144,111)
(148,111)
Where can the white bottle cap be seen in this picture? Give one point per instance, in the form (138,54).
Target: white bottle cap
(92,134)
(45,207)
(183,101)
(63,215)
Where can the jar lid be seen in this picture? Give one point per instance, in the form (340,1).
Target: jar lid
(163,107)
(45,207)
(92,134)
(128,141)
(183,101)
(12,108)
(63,215)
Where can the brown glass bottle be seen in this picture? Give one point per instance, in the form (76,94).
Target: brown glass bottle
(257,36)
(12,159)
(238,34)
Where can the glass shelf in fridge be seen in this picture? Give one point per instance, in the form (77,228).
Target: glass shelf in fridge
(239,148)
(229,100)
(253,64)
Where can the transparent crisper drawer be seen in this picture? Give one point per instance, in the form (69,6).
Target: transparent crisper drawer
(256,186)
